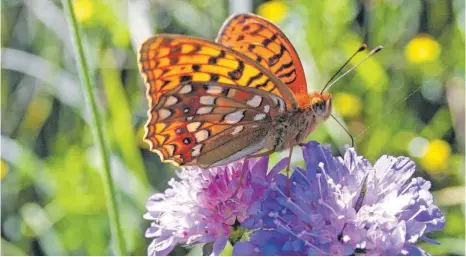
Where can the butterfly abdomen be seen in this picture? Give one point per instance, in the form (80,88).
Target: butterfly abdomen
(287,130)
(292,128)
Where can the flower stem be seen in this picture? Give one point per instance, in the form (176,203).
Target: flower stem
(96,127)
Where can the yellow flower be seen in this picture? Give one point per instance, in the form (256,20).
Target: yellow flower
(422,48)
(3,169)
(436,157)
(83,9)
(347,105)
(275,11)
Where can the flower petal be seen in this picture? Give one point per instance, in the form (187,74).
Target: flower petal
(219,245)
(244,249)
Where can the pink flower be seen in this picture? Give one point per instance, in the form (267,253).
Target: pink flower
(202,206)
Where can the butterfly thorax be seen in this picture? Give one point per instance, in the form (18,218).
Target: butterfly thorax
(292,128)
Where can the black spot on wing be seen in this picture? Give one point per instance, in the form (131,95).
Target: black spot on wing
(222,54)
(196,67)
(186,78)
(212,60)
(236,74)
(214,77)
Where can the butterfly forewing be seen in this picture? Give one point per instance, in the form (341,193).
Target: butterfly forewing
(207,104)
(168,60)
(265,43)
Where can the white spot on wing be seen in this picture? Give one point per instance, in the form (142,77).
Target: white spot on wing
(234,117)
(193,126)
(267,108)
(259,116)
(171,100)
(201,135)
(204,110)
(214,90)
(255,101)
(170,149)
(282,105)
(236,130)
(207,100)
(164,113)
(190,118)
(186,89)
(196,150)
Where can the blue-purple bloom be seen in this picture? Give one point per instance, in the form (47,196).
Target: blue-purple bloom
(343,206)
(202,206)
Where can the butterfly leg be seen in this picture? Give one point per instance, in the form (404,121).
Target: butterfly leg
(288,189)
(240,183)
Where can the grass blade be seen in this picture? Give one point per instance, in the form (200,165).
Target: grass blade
(96,126)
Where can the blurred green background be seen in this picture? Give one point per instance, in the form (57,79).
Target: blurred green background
(407,100)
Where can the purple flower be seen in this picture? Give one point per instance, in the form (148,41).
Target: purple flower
(344,206)
(202,206)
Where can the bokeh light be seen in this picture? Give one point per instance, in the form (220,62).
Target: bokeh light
(275,11)
(436,157)
(422,48)
(347,105)
(83,9)
(418,147)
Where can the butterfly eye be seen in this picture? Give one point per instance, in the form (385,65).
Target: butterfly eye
(319,108)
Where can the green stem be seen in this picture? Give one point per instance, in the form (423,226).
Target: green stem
(96,126)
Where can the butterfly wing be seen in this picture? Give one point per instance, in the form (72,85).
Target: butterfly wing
(264,42)
(207,104)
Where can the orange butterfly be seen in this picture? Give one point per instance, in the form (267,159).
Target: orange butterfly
(243,96)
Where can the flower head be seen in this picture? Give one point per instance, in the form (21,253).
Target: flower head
(344,206)
(202,205)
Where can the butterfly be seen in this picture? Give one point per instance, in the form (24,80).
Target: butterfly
(244,95)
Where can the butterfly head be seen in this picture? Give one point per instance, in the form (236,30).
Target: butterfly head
(321,104)
(317,103)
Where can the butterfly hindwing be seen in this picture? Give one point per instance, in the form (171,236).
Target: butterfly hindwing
(265,43)
(204,123)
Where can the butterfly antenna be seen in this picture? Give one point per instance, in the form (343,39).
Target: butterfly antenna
(375,50)
(362,48)
(347,132)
